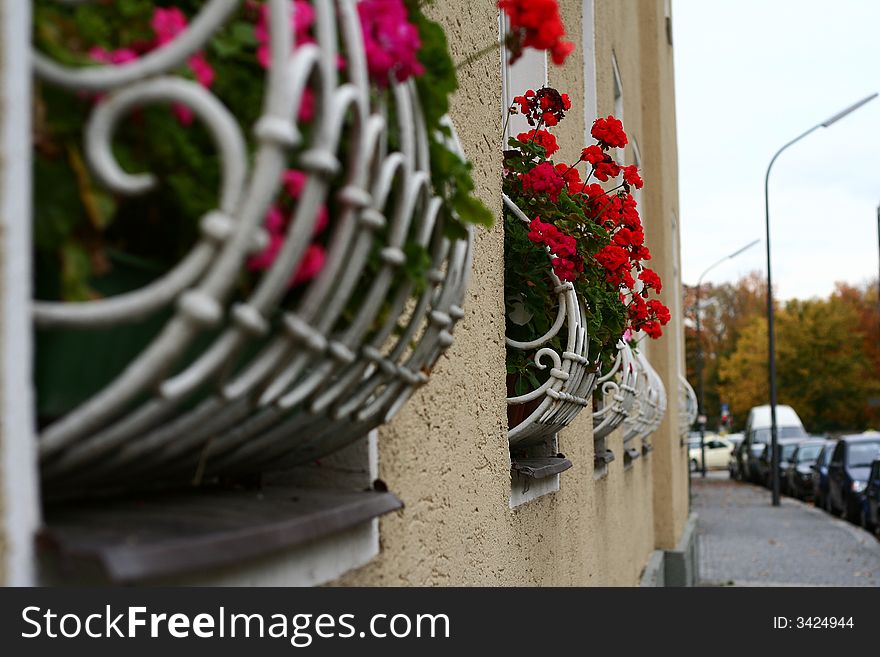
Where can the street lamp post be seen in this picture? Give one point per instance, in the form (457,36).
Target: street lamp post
(771,341)
(701,409)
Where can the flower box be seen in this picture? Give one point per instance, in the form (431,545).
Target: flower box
(327,271)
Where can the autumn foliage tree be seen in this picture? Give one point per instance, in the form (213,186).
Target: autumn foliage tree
(827,355)
(726,311)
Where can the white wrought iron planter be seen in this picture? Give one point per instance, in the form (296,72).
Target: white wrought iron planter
(617,392)
(650,404)
(687,405)
(572,376)
(275,386)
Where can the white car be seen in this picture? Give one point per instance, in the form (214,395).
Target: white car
(718,452)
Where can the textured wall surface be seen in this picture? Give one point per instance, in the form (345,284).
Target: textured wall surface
(636,33)
(446,452)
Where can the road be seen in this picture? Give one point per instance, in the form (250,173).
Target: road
(744,541)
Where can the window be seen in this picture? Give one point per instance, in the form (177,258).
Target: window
(535,464)
(837,456)
(861,455)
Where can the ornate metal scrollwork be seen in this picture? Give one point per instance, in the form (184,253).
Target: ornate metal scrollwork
(572,376)
(617,392)
(650,403)
(275,386)
(687,405)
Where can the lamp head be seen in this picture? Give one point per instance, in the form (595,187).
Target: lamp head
(851,108)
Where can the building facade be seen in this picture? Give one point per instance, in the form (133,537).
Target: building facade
(467,518)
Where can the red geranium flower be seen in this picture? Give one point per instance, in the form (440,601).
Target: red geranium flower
(650,278)
(535,24)
(631,176)
(543,179)
(652,329)
(607,169)
(612,257)
(542,138)
(609,132)
(571,176)
(592,154)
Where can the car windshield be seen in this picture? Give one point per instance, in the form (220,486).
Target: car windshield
(862,454)
(808,453)
(787,451)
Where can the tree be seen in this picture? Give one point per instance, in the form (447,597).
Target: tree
(742,374)
(828,368)
(725,310)
(823,369)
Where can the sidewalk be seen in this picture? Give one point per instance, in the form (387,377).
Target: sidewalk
(744,541)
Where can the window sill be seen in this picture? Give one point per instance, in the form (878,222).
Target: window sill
(541,467)
(140,539)
(630,455)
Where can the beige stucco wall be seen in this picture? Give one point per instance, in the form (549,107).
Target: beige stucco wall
(446,452)
(636,33)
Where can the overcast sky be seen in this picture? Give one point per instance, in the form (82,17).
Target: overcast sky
(750,76)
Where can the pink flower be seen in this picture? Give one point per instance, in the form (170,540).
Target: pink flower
(310,266)
(114,57)
(390,40)
(275,220)
(203,71)
(307,106)
(264,259)
(294,181)
(543,179)
(183,113)
(167,24)
(277,223)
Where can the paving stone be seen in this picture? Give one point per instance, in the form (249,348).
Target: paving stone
(744,541)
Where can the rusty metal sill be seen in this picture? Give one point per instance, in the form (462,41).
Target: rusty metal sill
(162,536)
(630,455)
(603,458)
(540,468)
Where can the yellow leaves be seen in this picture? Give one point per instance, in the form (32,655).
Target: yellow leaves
(99,205)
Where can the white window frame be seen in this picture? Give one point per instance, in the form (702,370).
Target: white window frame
(528,72)
(20,497)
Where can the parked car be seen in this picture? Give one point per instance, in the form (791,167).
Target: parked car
(739,461)
(733,461)
(871,503)
(820,475)
(757,433)
(765,465)
(848,473)
(787,448)
(801,468)
(717,454)
(734,438)
(759,467)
